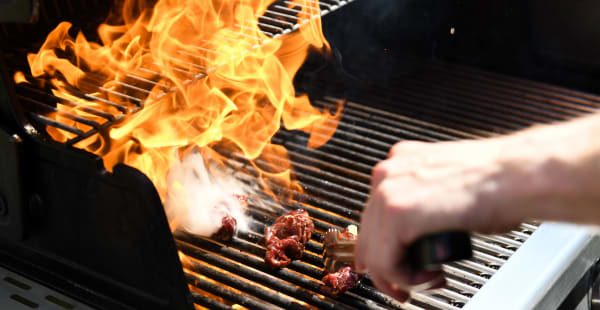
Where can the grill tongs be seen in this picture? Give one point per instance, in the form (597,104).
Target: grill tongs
(339,248)
(426,254)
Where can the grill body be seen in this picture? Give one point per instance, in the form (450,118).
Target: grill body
(103,237)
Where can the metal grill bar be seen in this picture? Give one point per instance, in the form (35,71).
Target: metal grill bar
(219,290)
(433,301)
(260,273)
(527,87)
(49,101)
(66,114)
(202,300)
(535,107)
(465,92)
(309,283)
(56,124)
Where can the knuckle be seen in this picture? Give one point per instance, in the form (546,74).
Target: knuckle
(388,192)
(398,148)
(381,194)
(380,172)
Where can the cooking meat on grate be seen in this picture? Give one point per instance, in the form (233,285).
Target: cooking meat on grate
(227,229)
(228,222)
(204,199)
(339,282)
(280,252)
(295,223)
(344,279)
(286,238)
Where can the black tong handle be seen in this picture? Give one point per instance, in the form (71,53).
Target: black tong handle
(430,252)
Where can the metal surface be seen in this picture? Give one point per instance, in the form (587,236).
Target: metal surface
(550,264)
(102,237)
(11,192)
(11,115)
(338,251)
(18,11)
(20,293)
(594,295)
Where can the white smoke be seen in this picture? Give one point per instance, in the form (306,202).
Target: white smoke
(197,199)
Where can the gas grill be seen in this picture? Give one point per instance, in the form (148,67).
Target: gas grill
(75,236)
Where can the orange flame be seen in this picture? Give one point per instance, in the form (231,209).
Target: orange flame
(203,72)
(19,77)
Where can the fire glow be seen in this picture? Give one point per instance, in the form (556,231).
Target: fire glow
(216,79)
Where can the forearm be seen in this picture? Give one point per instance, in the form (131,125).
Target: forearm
(556,171)
(489,186)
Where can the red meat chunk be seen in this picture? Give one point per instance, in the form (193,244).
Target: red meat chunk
(286,238)
(295,223)
(344,279)
(228,222)
(339,282)
(228,226)
(280,252)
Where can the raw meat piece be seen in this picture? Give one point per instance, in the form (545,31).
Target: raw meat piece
(228,226)
(228,222)
(286,238)
(280,252)
(339,282)
(344,279)
(295,223)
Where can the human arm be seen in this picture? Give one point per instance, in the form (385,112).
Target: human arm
(488,186)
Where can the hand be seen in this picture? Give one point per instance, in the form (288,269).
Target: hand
(425,188)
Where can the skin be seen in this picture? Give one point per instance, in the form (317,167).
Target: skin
(487,186)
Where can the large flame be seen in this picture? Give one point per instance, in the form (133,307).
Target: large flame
(202,70)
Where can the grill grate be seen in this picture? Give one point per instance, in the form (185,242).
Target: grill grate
(134,89)
(441,102)
(336,178)
(336,205)
(336,181)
